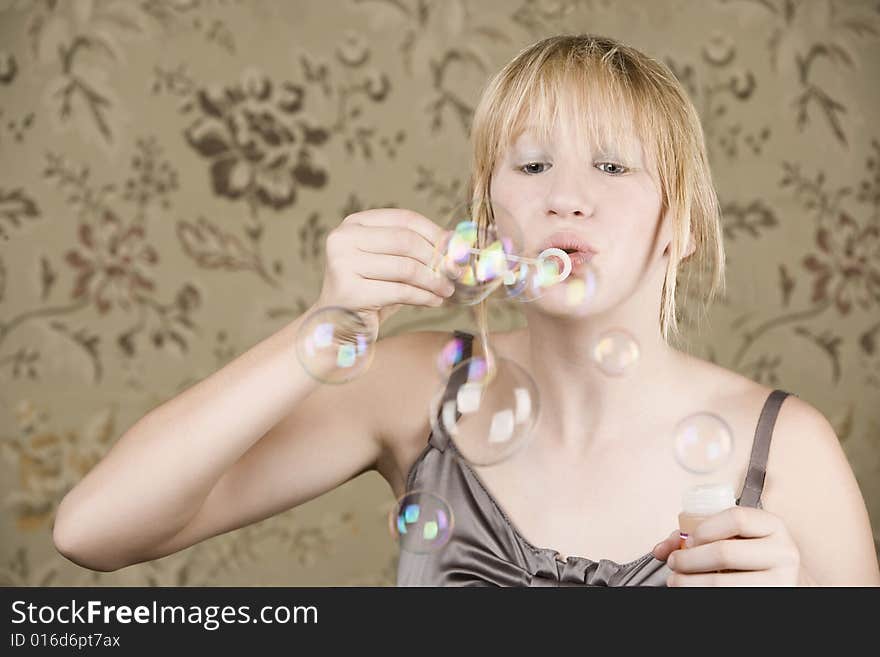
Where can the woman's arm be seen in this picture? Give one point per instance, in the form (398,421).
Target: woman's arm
(253,439)
(260,435)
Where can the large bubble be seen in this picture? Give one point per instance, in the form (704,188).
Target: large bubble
(335,345)
(702,443)
(473,254)
(422,522)
(488,410)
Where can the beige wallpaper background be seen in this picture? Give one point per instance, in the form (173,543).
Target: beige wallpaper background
(170,169)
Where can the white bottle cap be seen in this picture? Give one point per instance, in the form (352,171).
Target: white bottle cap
(706,499)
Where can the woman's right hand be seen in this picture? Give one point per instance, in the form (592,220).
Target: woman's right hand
(377,260)
(667,546)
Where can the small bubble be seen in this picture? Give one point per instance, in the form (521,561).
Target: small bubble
(422,522)
(615,352)
(450,356)
(702,443)
(334,345)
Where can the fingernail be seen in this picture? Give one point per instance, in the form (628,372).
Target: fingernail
(657,546)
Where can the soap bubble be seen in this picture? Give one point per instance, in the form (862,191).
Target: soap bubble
(615,352)
(475,272)
(450,355)
(335,345)
(578,292)
(473,255)
(574,296)
(488,410)
(421,521)
(453,353)
(702,443)
(563,284)
(530,278)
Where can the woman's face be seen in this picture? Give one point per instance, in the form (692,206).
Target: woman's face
(545,192)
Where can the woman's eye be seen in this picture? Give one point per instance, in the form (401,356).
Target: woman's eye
(530,167)
(619,168)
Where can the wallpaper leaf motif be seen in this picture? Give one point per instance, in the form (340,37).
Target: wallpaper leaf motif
(441,43)
(343,93)
(15,208)
(69,35)
(19,572)
(112,262)
(844,271)
(807,32)
(8,67)
(749,220)
(210,247)
(172,169)
(49,463)
(717,86)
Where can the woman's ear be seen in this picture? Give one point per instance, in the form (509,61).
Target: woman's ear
(689,250)
(691,246)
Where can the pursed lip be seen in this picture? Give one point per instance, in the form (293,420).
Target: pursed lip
(569,241)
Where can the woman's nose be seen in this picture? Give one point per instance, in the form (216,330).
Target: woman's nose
(569,197)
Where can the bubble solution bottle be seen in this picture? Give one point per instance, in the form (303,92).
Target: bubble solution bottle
(700,502)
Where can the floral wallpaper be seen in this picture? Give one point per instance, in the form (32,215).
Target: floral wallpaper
(170,169)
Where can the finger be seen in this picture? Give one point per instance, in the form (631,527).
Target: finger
(665,547)
(753,578)
(742,521)
(400,218)
(393,241)
(387,293)
(730,554)
(403,270)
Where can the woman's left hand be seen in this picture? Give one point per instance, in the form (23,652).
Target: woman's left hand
(752,543)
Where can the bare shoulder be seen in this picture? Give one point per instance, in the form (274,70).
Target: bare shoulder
(800,434)
(405,366)
(815,492)
(809,483)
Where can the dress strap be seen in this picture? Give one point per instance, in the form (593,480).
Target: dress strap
(754,483)
(439,439)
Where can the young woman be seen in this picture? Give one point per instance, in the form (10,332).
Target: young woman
(582,140)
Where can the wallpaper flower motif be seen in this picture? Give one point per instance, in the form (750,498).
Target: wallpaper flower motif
(258,146)
(112,264)
(847,269)
(172,169)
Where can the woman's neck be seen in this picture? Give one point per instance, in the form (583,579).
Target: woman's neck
(582,405)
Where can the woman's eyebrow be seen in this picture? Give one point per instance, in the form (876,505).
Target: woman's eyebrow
(527,135)
(529,138)
(525,144)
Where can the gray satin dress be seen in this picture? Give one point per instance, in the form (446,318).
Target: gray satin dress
(485,549)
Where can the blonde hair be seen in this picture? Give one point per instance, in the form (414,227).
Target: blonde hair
(616,97)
